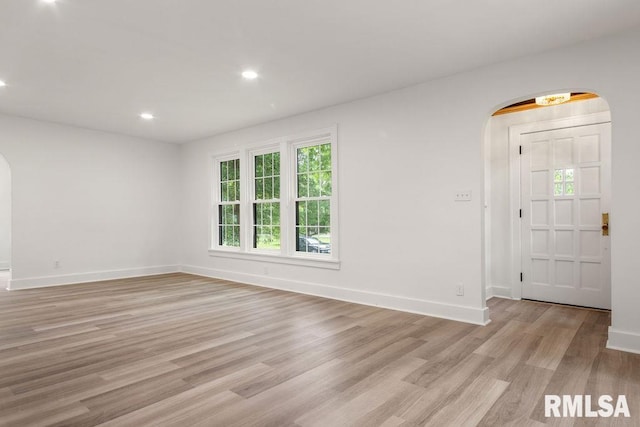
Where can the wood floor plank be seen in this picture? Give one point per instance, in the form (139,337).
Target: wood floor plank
(195,405)
(390,373)
(449,385)
(441,363)
(552,348)
(472,405)
(178,349)
(528,385)
(499,343)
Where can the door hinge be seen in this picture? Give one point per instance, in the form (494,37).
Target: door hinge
(521,149)
(521,277)
(520,213)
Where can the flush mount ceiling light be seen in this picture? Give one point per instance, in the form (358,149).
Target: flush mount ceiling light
(553,99)
(249,74)
(147,116)
(48,1)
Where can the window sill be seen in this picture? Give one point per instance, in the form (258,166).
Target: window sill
(304,261)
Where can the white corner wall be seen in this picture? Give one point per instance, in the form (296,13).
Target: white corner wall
(102,205)
(5,214)
(500,278)
(404,242)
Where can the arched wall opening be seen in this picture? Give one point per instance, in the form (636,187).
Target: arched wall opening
(504,257)
(5,222)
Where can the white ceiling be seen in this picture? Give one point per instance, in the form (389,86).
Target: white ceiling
(99,63)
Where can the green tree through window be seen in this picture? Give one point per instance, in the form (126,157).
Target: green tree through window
(313,201)
(266,203)
(229,204)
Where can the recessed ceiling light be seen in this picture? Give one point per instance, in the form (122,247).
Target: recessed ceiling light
(49,1)
(2,83)
(249,74)
(147,116)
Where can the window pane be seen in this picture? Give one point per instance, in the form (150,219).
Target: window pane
(259,189)
(324,213)
(314,184)
(236,214)
(313,217)
(325,156)
(276,187)
(312,226)
(557,176)
(324,234)
(259,165)
(303,185)
(276,163)
(229,235)
(231,191)
(301,213)
(314,158)
(268,165)
(266,213)
(268,188)
(568,175)
(325,183)
(236,164)
(236,236)
(223,191)
(568,189)
(229,215)
(267,225)
(230,180)
(232,170)
(223,171)
(257,218)
(303,159)
(312,213)
(267,176)
(557,189)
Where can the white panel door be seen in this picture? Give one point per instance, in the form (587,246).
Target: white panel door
(565,179)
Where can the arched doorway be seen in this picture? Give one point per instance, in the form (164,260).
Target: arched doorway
(547,186)
(5,222)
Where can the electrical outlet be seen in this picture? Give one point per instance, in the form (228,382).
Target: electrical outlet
(462,196)
(460,290)
(56,264)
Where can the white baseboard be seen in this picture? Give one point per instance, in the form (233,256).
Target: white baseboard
(499,292)
(476,316)
(623,341)
(70,279)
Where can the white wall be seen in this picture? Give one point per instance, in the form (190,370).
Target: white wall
(5,214)
(499,220)
(103,205)
(405,238)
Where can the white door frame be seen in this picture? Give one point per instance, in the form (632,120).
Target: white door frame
(514,181)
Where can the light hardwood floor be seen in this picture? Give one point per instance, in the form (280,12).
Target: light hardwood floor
(190,351)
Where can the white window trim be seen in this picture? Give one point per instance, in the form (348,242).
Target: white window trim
(272,148)
(305,261)
(293,147)
(214,230)
(287,255)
